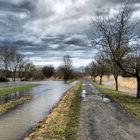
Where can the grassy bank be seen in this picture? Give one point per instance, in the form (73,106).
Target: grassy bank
(13,103)
(7,90)
(62,122)
(130,103)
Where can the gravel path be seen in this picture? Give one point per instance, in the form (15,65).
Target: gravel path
(102,119)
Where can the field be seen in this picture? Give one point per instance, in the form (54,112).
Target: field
(126,84)
(12,89)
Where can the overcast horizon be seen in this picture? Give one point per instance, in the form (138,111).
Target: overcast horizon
(46,30)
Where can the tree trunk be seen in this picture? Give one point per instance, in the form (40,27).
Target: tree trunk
(14,73)
(11,74)
(5,72)
(138,87)
(101,79)
(19,74)
(94,79)
(14,79)
(116,82)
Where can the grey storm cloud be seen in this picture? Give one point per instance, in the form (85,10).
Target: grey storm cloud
(45,30)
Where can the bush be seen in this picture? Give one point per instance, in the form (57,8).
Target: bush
(3,80)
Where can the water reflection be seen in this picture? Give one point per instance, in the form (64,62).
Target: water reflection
(17,122)
(15,95)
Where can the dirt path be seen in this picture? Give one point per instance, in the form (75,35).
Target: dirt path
(102,119)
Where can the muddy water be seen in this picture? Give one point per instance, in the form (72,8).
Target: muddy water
(14,124)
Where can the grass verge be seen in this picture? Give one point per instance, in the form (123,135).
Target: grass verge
(129,103)
(62,122)
(7,90)
(13,103)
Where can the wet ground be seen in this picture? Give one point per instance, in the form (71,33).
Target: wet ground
(8,84)
(103,119)
(15,124)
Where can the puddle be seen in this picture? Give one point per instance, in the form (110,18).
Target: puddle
(106,99)
(84,93)
(100,97)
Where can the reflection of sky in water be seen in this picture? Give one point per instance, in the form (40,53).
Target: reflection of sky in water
(15,123)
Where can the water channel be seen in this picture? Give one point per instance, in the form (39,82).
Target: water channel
(15,123)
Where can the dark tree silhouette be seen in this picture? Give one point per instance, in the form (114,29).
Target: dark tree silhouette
(66,68)
(48,71)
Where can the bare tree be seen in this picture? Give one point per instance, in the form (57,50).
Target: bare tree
(15,64)
(101,66)
(117,38)
(114,69)
(11,60)
(91,70)
(21,69)
(66,68)
(27,71)
(6,55)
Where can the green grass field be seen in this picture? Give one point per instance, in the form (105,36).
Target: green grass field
(7,90)
(129,103)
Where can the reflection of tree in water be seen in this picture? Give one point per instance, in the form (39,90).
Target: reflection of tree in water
(15,95)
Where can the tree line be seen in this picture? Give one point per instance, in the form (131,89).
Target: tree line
(14,65)
(65,71)
(117,40)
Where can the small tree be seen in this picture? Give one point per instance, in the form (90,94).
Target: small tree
(16,61)
(91,70)
(66,68)
(101,67)
(38,74)
(27,71)
(11,61)
(6,55)
(114,69)
(48,71)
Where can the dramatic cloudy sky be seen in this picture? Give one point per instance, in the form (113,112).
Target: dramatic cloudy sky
(46,30)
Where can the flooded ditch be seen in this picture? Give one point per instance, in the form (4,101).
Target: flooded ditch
(17,122)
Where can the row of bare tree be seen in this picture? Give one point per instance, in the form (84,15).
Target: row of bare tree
(65,71)
(117,40)
(103,66)
(14,65)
